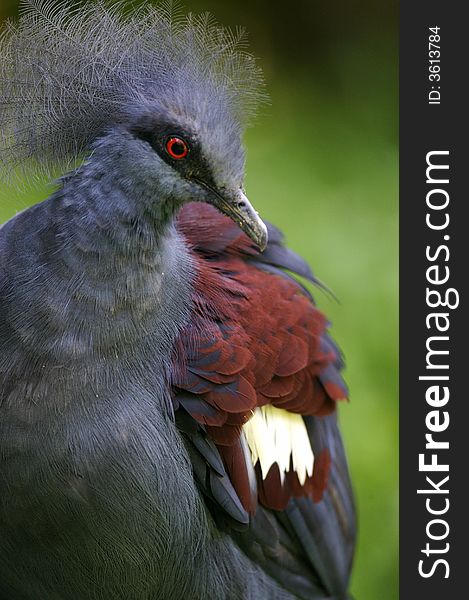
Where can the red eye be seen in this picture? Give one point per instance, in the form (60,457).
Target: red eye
(177,148)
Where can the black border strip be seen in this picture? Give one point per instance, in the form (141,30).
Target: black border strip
(424,128)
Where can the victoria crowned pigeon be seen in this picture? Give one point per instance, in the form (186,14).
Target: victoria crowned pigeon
(167,385)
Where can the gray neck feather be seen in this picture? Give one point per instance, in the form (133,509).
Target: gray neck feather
(105,276)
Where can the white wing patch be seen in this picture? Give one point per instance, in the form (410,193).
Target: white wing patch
(274,435)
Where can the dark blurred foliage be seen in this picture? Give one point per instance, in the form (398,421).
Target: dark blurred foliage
(298,33)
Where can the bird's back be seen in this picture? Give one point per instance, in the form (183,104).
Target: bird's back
(97,495)
(104,495)
(257,345)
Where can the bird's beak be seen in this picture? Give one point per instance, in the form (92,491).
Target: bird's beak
(242,212)
(237,207)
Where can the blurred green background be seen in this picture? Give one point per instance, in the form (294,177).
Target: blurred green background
(322,165)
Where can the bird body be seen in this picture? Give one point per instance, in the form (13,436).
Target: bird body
(164,384)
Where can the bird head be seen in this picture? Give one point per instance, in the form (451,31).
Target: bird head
(159,99)
(194,156)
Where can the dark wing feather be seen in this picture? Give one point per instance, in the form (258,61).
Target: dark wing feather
(327,529)
(210,473)
(255,338)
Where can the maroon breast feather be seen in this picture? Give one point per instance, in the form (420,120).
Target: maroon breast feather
(255,338)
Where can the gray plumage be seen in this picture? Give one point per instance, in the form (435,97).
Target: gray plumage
(97,491)
(72,70)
